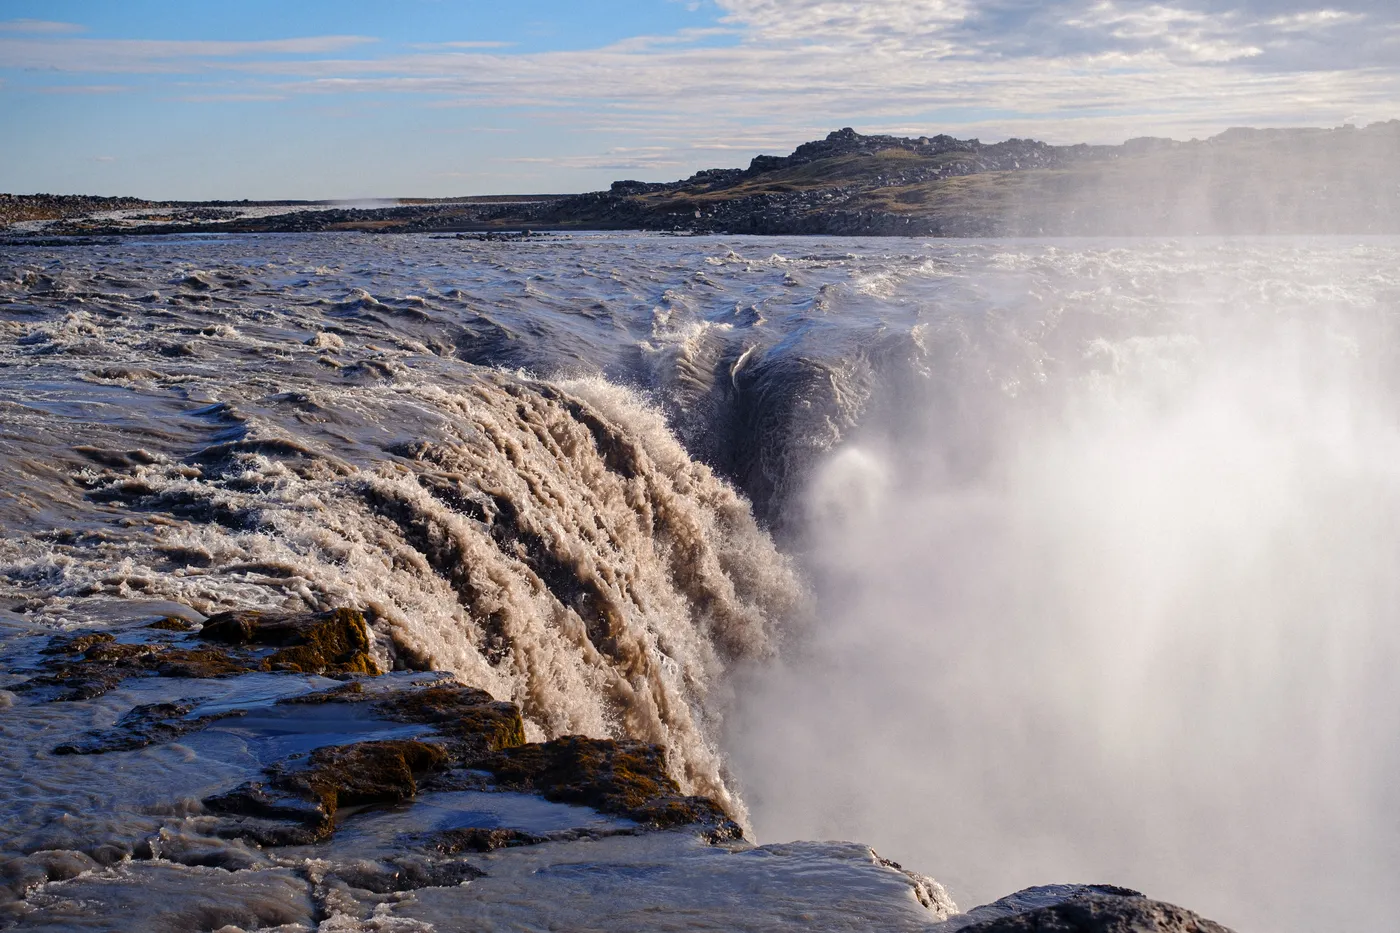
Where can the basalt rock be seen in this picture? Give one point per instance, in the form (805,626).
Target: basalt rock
(623,777)
(171,624)
(86,665)
(481,839)
(309,794)
(1090,909)
(142,726)
(1103,914)
(335,642)
(470,722)
(395,876)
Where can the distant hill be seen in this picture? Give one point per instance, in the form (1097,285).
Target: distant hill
(1243,181)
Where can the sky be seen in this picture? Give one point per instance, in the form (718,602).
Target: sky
(202,99)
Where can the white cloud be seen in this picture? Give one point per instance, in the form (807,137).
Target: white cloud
(39,26)
(775,72)
(1313,19)
(93,56)
(462,45)
(83,89)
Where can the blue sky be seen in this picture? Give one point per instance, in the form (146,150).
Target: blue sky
(313,98)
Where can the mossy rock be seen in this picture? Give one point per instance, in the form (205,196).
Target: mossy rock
(623,777)
(201,663)
(479,839)
(172,624)
(335,776)
(86,665)
(335,642)
(470,721)
(144,725)
(77,644)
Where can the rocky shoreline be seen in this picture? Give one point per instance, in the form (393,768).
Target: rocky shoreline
(258,771)
(1243,181)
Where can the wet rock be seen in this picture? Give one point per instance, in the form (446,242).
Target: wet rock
(469,722)
(335,642)
(623,777)
(72,682)
(19,875)
(77,644)
(404,873)
(479,839)
(87,665)
(144,725)
(309,794)
(1103,914)
(200,663)
(171,624)
(1080,909)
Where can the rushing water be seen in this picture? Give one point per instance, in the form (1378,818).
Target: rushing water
(1024,561)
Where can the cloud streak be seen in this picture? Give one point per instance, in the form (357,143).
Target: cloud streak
(39,27)
(95,56)
(775,72)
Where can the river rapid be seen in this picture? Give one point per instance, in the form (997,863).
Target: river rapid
(1023,561)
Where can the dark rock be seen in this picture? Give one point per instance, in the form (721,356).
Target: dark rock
(335,642)
(470,722)
(477,839)
(335,776)
(406,873)
(623,777)
(77,644)
(145,725)
(87,665)
(172,624)
(201,663)
(1099,913)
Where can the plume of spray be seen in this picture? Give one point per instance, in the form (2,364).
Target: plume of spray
(1139,626)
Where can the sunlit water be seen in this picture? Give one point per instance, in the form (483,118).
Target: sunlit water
(1023,561)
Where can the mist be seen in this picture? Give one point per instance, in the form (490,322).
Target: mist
(1108,594)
